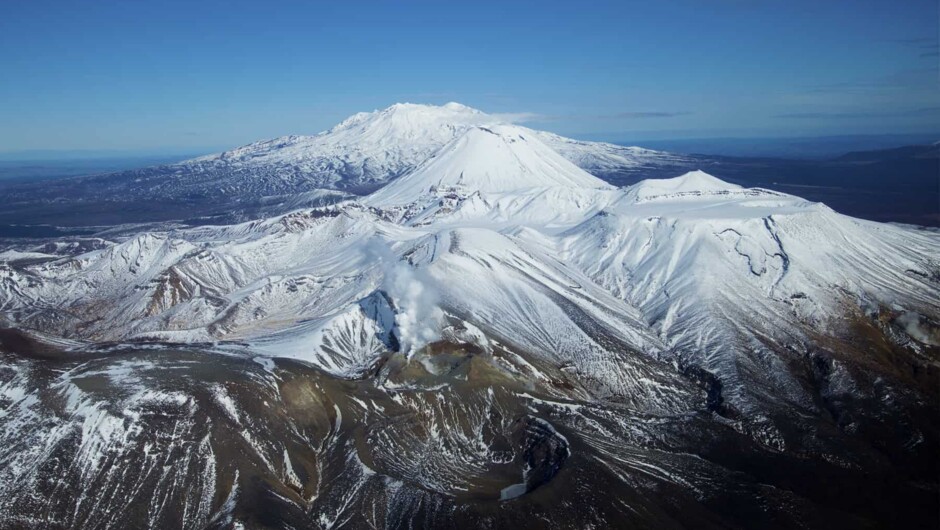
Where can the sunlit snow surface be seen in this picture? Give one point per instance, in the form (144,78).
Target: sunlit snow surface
(276,176)
(496,333)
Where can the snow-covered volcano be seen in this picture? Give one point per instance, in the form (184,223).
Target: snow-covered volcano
(270,177)
(685,267)
(492,260)
(501,158)
(366,149)
(372,148)
(500,232)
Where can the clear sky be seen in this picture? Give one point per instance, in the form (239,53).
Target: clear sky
(191,75)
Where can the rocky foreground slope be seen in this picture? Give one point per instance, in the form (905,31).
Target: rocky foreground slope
(496,338)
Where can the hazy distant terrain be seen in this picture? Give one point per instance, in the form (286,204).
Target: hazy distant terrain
(802,148)
(17,169)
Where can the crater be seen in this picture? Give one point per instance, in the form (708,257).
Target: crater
(466,447)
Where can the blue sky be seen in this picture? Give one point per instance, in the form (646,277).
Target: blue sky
(204,75)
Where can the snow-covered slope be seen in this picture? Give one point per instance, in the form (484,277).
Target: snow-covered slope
(271,177)
(493,159)
(372,148)
(492,229)
(492,291)
(604,159)
(500,232)
(365,150)
(692,184)
(717,268)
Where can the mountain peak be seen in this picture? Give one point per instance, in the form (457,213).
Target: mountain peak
(453,105)
(691,184)
(489,158)
(413,120)
(369,149)
(450,110)
(698,180)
